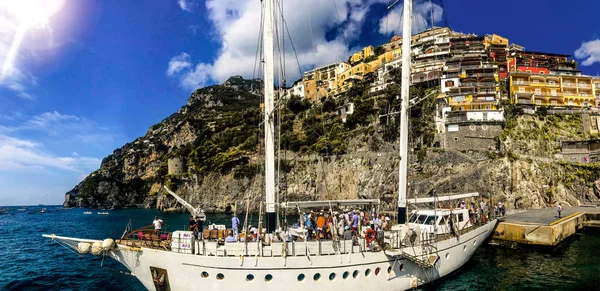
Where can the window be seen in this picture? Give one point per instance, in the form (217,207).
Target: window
(249,277)
(204,275)
(538,102)
(367,272)
(488,107)
(459,217)
(355,274)
(377,270)
(521,90)
(542,72)
(346,274)
(570,102)
(449,83)
(220,276)
(528,71)
(331,276)
(268,278)
(538,91)
(413,217)
(301,277)
(389,269)
(553,103)
(421,219)
(317,276)
(430,220)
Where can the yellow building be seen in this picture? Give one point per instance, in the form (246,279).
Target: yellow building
(363,54)
(346,79)
(552,90)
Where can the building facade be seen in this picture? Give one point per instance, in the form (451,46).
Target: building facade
(552,90)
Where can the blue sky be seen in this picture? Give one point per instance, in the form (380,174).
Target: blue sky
(81,78)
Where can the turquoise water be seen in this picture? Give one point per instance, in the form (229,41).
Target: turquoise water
(30,262)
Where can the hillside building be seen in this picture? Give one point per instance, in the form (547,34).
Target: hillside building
(553,90)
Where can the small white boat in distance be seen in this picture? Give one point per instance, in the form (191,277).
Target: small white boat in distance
(87,212)
(102,213)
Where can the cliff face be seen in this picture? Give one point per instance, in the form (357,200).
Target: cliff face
(208,153)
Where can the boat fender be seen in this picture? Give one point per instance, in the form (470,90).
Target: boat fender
(108,244)
(83,247)
(97,248)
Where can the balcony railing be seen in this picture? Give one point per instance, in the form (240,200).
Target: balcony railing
(523,101)
(570,85)
(481,75)
(521,82)
(586,86)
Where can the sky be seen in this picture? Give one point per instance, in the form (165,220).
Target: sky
(79,79)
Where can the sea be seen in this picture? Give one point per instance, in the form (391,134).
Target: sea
(30,262)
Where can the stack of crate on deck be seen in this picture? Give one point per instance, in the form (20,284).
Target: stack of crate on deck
(183,242)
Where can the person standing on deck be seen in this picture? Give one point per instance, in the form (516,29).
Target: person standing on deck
(560,209)
(235,223)
(157,224)
(355,219)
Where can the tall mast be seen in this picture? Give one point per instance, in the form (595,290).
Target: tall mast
(269,118)
(404,96)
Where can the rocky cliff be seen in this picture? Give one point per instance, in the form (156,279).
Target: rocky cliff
(208,153)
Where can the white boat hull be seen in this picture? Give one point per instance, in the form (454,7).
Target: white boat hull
(188,271)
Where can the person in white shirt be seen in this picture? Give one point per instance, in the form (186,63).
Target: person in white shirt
(559,209)
(157,224)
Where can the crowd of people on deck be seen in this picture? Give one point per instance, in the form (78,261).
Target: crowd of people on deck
(327,225)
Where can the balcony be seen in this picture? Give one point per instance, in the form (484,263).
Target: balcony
(555,84)
(519,82)
(569,85)
(585,86)
(524,101)
(480,75)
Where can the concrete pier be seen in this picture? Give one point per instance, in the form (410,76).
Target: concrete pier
(543,227)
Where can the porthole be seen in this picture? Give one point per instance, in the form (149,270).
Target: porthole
(301,277)
(447,255)
(377,270)
(345,275)
(268,278)
(475,242)
(317,276)
(367,272)
(331,276)
(401,268)
(220,276)
(464,248)
(204,275)
(249,277)
(355,274)
(389,269)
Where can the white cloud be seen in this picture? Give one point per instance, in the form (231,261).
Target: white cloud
(310,22)
(392,23)
(187,5)
(590,51)
(236,27)
(57,125)
(26,96)
(25,155)
(195,28)
(178,63)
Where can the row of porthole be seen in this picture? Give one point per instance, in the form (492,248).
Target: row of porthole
(332,276)
(316,276)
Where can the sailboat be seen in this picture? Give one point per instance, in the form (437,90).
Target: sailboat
(418,250)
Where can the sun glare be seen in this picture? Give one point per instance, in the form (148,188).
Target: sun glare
(34,13)
(28,14)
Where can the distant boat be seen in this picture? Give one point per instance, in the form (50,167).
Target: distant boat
(22,209)
(43,210)
(102,213)
(3,211)
(87,212)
